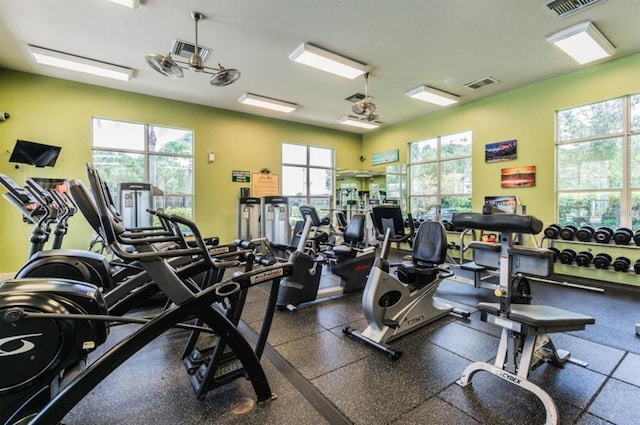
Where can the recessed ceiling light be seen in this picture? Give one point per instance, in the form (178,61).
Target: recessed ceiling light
(327,61)
(267,103)
(78,63)
(583,42)
(355,122)
(133,4)
(431,95)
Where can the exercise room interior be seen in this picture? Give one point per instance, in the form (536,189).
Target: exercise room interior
(237,236)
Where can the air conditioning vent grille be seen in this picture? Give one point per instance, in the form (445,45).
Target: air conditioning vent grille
(564,8)
(357,97)
(482,82)
(185,49)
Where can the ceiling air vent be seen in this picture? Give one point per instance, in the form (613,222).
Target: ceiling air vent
(482,82)
(185,49)
(356,97)
(564,8)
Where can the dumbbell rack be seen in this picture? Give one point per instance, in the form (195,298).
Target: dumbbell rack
(631,251)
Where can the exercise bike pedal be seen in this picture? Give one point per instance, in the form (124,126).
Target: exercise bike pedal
(394,324)
(461,313)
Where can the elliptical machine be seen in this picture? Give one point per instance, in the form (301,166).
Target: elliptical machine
(393,306)
(350,261)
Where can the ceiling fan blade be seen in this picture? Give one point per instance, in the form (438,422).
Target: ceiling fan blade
(224,77)
(164,64)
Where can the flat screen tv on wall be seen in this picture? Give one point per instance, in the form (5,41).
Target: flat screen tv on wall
(32,153)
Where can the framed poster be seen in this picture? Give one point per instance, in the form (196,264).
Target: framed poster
(500,151)
(518,177)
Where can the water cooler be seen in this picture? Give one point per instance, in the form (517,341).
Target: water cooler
(275,219)
(135,200)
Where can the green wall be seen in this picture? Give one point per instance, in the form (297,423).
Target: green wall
(526,114)
(59,112)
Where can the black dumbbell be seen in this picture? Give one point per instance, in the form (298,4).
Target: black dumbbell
(568,232)
(621,264)
(583,259)
(603,235)
(567,256)
(585,233)
(556,253)
(552,232)
(602,261)
(622,236)
(636,237)
(636,267)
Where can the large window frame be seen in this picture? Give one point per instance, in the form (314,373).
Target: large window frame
(597,146)
(132,152)
(440,175)
(308,178)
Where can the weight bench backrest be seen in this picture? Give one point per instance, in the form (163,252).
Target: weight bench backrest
(430,244)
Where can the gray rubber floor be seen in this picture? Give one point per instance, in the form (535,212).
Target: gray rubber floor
(322,376)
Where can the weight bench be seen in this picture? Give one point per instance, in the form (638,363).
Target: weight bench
(524,343)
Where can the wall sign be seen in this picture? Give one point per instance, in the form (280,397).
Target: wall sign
(240,176)
(385,157)
(264,183)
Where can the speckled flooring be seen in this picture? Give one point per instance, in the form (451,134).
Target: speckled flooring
(337,380)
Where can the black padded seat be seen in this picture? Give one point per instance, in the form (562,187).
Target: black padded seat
(485,246)
(353,237)
(530,252)
(540,315)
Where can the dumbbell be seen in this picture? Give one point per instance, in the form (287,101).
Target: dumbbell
(622,236)
(603,235)
(552,232)
(556,253)
(636,267)
(636,237)
(602,261)
(621,264)
(567,256)
(585,233)
(568,232)
(448,225)
(583,259)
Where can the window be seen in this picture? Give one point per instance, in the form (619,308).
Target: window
(597,147)
(307,178)
(440,175)
(126,152)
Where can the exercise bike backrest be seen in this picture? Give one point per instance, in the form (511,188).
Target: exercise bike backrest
(389,216)
(430,244)
(354,232)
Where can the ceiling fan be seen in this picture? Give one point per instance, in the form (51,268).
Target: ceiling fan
(172,68)
(365,108)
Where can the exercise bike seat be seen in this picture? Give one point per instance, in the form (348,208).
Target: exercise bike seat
(541,316)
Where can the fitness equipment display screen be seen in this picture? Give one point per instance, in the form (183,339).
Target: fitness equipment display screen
(32,153)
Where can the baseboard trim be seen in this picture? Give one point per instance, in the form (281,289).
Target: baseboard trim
(6,276)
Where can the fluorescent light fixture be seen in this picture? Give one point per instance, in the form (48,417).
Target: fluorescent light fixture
(133,4)
(79,64)
(583,42)
(327,61)
(267,103)
(431,95)
(355,122)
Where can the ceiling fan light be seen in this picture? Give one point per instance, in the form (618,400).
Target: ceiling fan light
(324,60)
(431,95)
(164,65)
(224,77)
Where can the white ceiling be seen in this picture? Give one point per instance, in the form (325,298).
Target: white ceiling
(406,43)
